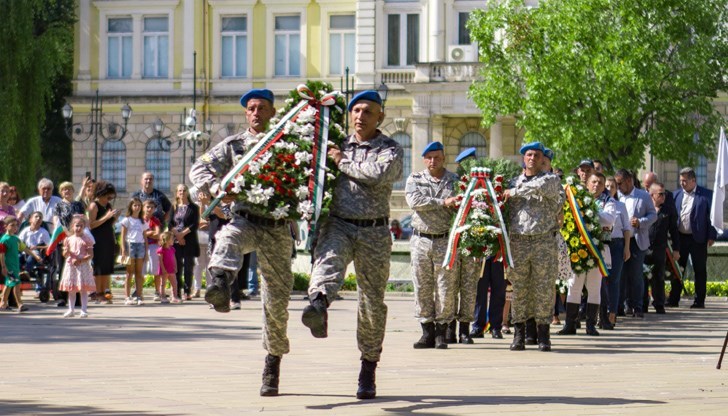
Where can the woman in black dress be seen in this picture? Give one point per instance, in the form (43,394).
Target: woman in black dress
(101,217)
(185,221)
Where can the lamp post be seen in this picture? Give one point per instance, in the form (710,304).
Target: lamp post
(188,137)
(383,91)
(347,92)
(95,126)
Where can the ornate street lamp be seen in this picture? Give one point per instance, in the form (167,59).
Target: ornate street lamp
(95,127)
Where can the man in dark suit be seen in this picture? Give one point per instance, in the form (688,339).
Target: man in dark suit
(696,233)
(666,224)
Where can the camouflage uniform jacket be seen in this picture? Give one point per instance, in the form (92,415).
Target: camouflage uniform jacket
(368,171)
(209,169)
(534,204)
(426,196)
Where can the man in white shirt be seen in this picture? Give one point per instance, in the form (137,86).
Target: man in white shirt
(44,203)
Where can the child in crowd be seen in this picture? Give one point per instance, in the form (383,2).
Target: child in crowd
(134,249)
(36,238)
(10,248)
(78,276)
(151,266)
(168,266)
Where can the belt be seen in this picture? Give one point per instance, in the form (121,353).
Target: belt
(617,239)
(258,220)
(430,236)
(375,222)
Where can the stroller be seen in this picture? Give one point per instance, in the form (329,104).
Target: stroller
(40,275)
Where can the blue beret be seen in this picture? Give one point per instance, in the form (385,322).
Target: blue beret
(369,95)
(432,147)
(532,146)
(469,152)
(257,93)
(549,154)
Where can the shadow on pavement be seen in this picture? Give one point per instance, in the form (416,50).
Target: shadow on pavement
(26,407)
(435,404)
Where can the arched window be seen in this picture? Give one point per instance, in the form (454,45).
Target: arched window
(476,140)
(113,163)
(157,162)
(405,141)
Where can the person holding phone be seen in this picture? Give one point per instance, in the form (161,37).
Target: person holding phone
(102,215)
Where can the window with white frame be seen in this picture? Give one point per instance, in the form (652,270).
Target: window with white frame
(156,47)
(405,141)
(157,161)
(342,43)
(403,39)
(234,44)
(476,140)
(120,50)
(287,45)
(463,33)
(113,163)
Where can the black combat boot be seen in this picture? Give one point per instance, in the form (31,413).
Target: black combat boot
(440,334)
(367,387)
(592,309)
(531,335)
(218,289)
(465,333)
(544,337)
(315,316)
(451,333)
(519,337)
(428,337)
(271,374)
(572,312)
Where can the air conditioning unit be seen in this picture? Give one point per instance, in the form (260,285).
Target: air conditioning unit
(462,53)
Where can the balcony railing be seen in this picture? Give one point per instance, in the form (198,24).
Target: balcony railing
(397,76)
(446,72)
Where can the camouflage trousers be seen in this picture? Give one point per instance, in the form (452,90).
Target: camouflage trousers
(466,287)
(435,298)
(536,262)
(273,246)
(370,249)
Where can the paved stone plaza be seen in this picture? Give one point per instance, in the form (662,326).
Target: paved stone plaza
(188,360)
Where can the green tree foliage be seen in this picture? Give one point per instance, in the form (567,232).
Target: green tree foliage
(607,79)
(37,48)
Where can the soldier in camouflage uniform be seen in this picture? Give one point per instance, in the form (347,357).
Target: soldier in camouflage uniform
(430,195)
(357,229)
(245,233)
(535,200)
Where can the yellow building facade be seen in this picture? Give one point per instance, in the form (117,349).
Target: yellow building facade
(164,57)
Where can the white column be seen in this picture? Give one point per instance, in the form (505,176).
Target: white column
(188,43)
(366,34)
(84,44)
(436,41)
(495,148)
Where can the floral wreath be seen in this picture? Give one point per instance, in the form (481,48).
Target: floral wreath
(480,233)
(576,229)
(281,181)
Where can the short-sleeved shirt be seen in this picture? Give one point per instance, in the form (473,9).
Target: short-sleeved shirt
(163,204)
(37,203)
(134,229)
(152,223)
(39,237)
(13,246)
(66,210)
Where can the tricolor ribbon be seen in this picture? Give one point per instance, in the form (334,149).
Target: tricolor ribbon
(261,147)
(317,182)
(505,242)
(674,266)
(585,236)
(479,179)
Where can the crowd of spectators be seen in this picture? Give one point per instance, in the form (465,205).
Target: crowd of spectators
(124,234)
